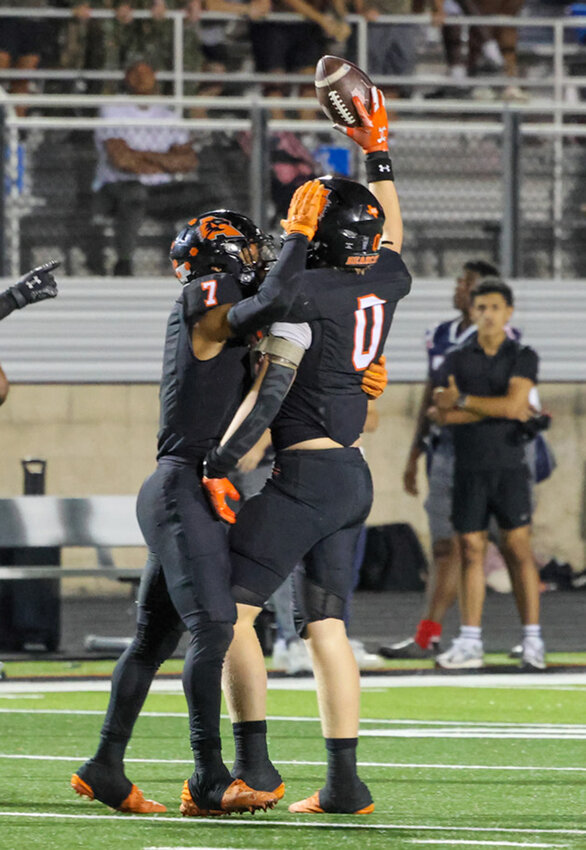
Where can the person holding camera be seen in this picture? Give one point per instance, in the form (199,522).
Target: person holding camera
(486,390)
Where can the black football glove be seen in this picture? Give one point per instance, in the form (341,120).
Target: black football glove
(36,285)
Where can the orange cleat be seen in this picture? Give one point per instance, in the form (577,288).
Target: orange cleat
(279,792)
(135,802)
(311,806)
(237,797)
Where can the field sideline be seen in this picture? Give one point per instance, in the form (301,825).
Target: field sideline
(460,761)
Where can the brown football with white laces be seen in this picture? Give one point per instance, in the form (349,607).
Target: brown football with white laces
(337,81)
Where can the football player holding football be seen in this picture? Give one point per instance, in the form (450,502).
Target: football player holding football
(221,258)
(320,494)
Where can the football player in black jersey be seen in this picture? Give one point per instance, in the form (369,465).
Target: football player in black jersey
(321,491)
(221,257)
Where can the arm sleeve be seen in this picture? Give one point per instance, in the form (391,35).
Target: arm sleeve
(276,295)
(273,389)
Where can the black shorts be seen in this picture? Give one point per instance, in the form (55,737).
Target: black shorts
(311,509)
(478,495)
(290,47)
(21,37)
(190,544)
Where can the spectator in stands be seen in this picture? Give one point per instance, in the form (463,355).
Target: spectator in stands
(282,47)
(21,45)
(114,43)
(485,394)
(219,54)
(291,165)
(488,48)
(392,49)
(138,167)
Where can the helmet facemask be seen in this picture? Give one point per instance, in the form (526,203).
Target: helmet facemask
(225,241)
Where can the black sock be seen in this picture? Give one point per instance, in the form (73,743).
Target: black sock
(343,791)
(250,742)
(341,762)
(211,776)
(251,761)
(111,750)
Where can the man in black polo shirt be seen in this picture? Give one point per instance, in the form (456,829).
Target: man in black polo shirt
(487,382)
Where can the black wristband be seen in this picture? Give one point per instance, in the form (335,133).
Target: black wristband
(378,167)
(215,466)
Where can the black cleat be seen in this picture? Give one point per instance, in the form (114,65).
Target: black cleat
(409,649)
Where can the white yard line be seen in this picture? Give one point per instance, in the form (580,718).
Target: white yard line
(303,763)
(431,725)
(303,824)
(413,728)
(547,681)
(467,733)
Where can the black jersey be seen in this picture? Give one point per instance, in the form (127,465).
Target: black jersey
(350,316)
(198,398)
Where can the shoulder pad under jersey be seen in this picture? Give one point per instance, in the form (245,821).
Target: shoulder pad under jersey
(209,291)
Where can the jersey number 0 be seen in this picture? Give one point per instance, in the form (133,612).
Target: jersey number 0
(362,356)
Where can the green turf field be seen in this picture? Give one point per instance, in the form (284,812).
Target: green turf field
(481,761)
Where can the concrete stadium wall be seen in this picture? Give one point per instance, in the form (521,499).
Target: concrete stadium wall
(101,439)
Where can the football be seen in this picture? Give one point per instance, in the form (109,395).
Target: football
(336,82)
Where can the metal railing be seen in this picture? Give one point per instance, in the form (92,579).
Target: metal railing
(548,120)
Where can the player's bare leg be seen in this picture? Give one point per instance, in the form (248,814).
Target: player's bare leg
(244,682)
(244,678)
(338,694)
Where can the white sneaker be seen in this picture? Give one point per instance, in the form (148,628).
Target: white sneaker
(365,660)
(464,654)
(533,654)
(514,93)
(298,660)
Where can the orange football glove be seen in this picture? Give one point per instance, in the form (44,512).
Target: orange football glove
(375,378)
(217,490)
(304,209)
(373,135)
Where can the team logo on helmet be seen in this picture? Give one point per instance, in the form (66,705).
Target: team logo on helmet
(211,227)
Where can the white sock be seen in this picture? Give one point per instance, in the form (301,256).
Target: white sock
(471,633)
(532,631)
(457,72)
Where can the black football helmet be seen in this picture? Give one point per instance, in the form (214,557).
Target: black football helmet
(349,229)
(224,240)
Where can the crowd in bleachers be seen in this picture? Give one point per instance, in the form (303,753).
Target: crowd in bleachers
(248,39)
(430,59)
